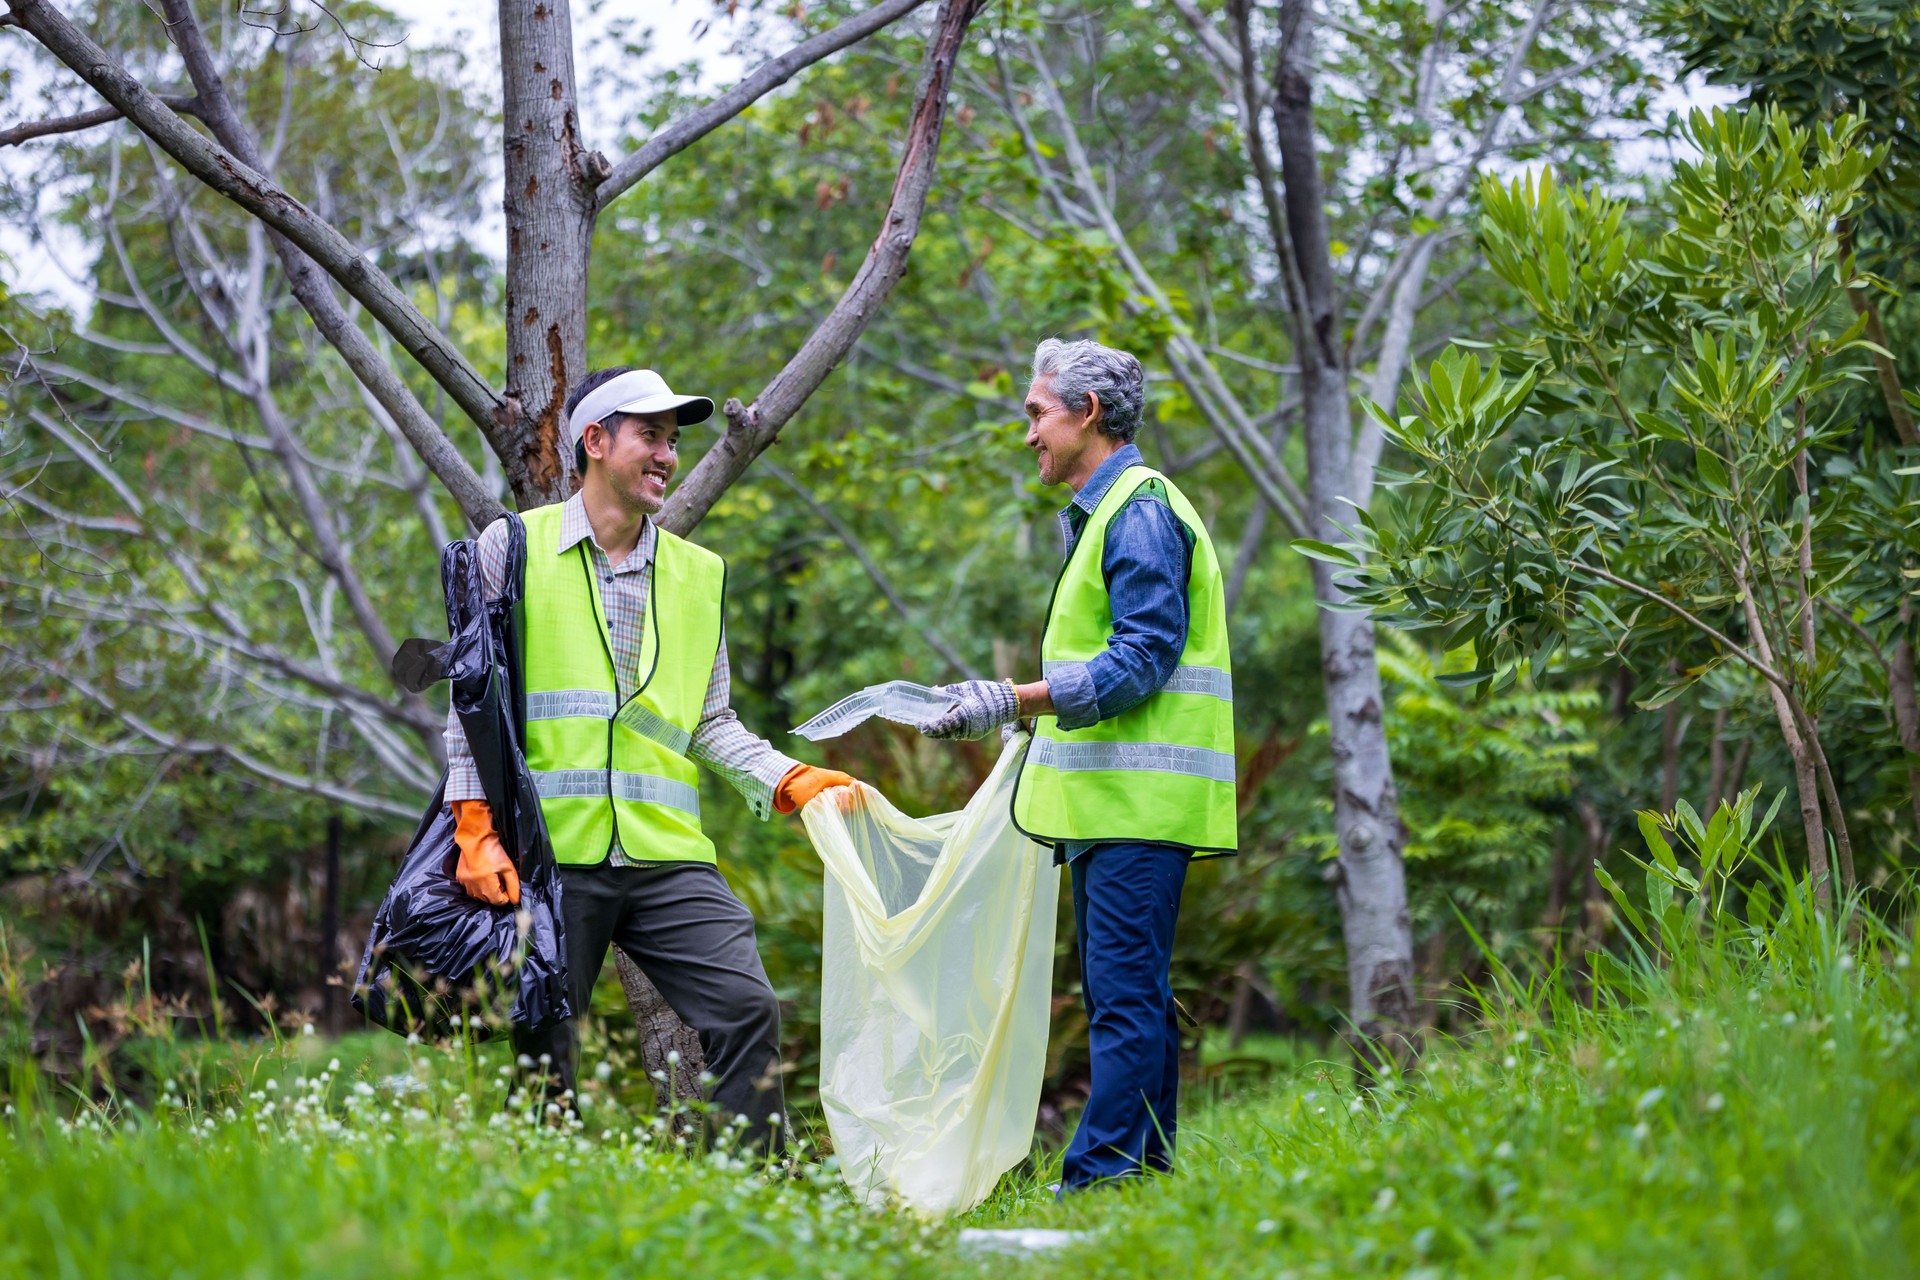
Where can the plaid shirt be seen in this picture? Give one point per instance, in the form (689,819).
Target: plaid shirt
(720,741)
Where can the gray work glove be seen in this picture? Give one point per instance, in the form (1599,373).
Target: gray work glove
(979,707)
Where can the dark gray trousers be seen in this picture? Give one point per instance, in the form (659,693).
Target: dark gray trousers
(694,940)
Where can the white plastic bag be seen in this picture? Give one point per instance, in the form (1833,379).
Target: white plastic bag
(937,971)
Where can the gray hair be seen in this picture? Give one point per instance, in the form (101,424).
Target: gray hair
(1081,367)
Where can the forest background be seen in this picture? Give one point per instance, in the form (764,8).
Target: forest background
(202,761)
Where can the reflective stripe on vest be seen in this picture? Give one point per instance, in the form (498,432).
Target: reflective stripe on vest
(1208,680)
(608,770)
(557,784)
(560,704)
(1149,757)
(1162,772)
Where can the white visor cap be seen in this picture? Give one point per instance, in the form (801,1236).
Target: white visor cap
(635,391)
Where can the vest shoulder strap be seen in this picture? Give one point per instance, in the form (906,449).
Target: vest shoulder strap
(693,550)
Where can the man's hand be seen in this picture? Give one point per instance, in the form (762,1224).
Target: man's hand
(484,870)
(802,783)
(979,707)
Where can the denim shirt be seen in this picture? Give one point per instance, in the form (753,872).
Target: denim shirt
(1147,562)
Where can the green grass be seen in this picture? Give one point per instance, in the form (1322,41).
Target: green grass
(1749,1109)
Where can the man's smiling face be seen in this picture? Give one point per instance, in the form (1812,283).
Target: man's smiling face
(639,456)
(1058,436)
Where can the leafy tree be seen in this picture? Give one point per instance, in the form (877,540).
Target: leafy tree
(1638,474)
(1816,61)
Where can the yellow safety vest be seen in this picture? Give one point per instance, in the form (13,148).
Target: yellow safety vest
(604,767)
(1164,771)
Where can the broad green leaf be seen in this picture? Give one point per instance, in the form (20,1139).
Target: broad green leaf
(1316,550)
(1619,896)
(1656,840)
(1659,897)
(1712,471)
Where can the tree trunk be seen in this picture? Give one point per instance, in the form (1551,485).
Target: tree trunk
(1241,1007)
(330,976)
(1805,778)
(1596,907)
(1716,763)
(1737,779)
(550,180)
(1370,879)
(1906,709)
(662,1034)
(1670,757)
(1883,367)
(1888,375)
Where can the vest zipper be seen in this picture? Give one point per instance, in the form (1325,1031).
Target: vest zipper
(613,674)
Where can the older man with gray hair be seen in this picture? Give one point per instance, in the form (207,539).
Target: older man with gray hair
(1131,771)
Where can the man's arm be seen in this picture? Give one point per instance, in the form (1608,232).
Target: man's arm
(463,776)
(1147,563)
(732,750)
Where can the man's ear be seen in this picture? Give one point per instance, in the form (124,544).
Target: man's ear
(1094,411)
(596,448)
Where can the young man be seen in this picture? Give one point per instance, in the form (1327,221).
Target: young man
(1131,770)
(627,686)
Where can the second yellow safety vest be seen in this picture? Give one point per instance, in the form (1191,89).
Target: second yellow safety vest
(1163,772)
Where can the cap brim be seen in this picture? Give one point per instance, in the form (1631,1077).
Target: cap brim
(692,408)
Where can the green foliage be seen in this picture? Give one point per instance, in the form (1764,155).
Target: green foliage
(1485,784)
(1742,1108)
(1638,472)
(1818,61)
(906,468)
(1484,787)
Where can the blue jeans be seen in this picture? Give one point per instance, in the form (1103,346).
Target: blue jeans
(1126,898)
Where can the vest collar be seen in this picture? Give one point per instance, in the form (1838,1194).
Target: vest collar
(576,528)
(1127,455)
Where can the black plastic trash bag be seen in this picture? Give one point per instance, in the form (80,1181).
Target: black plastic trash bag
(436,953)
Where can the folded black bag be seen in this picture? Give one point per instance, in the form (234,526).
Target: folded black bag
(436,953)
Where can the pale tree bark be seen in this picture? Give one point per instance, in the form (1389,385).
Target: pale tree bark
(670,1051)
(753,428)
(1806,782)
(1369,874)
(315,293)
(28,131)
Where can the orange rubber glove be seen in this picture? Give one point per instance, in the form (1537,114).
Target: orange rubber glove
(802,783)
(484,871)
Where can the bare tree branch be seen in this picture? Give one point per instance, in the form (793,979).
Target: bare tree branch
(768,76)
(304,278)
(412,712)
(203,747)
(751,429)
(1209,391)
(239,182)
(32,129)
